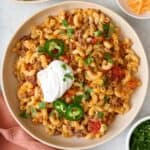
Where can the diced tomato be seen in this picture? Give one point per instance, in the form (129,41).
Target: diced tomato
(94,126)
(31,79)
(70,93)
(31,92)
(132,84)
(65,58)
(95,40)
(117,73)
(48,58)
(29,67)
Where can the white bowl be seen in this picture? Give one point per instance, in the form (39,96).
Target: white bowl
(30,1)
(134,126)
(9,83)
(125,8)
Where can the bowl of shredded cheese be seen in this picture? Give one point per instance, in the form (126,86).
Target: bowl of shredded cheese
(139,9)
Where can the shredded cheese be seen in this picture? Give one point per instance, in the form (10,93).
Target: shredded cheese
(139,6)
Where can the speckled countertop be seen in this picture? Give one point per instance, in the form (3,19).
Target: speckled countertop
(13,14)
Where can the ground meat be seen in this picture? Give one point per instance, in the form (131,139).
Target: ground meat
(72,46)
(116,102)
(29,67)
(31,79)
(30,93)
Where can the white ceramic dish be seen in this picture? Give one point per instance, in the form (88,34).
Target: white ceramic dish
(9,83)
(30,1)
(125,8)
(136,124)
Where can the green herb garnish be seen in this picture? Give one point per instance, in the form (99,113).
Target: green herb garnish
(88,60)
(82,84)
(87,93)
(64,66)
(24,115)
(106,29)
(70,32)
(140,139)
(42,105)
(98,33)
(77,99)
(108,57)
(68,76)
(33,111)
(106,99)
(100,115)
(65,23)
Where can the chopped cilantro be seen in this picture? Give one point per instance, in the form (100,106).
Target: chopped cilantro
(77,99)
(68,76)
(82,84)
(87,93)
(106,29)
(33,111)
(89,90)
(64,23)
(42,105)
(64,66)
(140,138)
(89,60)
(100,115)
(24,115)
(106,99)
(70,32)
(108,57)
(98,33)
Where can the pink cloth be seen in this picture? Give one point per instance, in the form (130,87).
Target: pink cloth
(12,137)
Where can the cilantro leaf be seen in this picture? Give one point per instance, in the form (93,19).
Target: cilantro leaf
(89,60)
(100,115)
(68,76)
(64,23)
(70,32)
(108,57)
(42,105)
(64,66)
(24,115)
(106,99)
(77,99)
(98,33)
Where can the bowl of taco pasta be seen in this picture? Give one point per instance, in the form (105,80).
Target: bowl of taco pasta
(74,75)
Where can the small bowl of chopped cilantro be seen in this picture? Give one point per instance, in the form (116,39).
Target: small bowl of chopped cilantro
(139,135)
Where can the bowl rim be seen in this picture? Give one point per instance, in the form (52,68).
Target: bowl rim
(130,14)
(2,83)
(133,127)
(30,2)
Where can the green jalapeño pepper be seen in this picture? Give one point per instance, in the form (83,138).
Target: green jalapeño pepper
(60,106)
(53,47)
(74,112)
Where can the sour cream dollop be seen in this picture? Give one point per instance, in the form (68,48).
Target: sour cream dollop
(55,80)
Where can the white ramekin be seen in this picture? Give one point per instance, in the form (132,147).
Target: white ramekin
(123,6)
(134,126)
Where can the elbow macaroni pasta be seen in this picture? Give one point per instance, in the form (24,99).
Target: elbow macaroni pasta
(112,78)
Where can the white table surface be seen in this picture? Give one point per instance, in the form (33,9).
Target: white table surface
(13,14)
